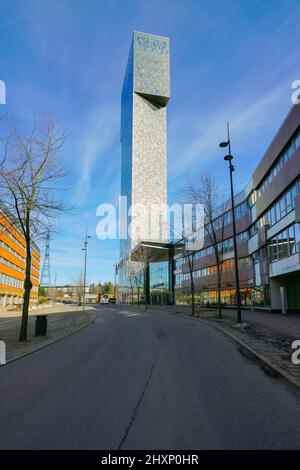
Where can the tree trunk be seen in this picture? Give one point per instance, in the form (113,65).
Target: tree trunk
(193,296)
(26,295)
(219,294)
(132,295)
(145,290)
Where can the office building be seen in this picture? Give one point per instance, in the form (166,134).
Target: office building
(268,234)
(12,262)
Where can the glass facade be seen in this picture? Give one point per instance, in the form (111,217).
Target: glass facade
(159,282)
(126,141)
(209,297)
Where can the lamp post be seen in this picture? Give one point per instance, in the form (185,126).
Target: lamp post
(85,257)
(115,286)
(229,159)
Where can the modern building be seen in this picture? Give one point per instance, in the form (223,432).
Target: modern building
(12,261)
(268,235)
(145,95)
(267,211)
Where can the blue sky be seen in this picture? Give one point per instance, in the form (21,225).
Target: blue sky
(230,60)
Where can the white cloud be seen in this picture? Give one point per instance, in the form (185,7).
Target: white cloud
(95,144)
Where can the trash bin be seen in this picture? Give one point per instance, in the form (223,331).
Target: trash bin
(40,325)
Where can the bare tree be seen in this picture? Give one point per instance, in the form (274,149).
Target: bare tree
(131,279)
(208,193)
(143,258)
(135,278)
(78,282)
(29,177)
(185,245)
(188,255)
(138,284)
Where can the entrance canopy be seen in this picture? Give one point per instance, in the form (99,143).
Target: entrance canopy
(150,252)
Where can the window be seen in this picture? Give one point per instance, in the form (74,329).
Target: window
(282,159)
(290,150)
(277,211)
(244,262)
(282,206)
(284,244)
(297,233)
(297,139)
(292,245)
(288,201)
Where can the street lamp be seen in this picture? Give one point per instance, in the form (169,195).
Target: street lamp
(115,286)
(229,159)
(85,257)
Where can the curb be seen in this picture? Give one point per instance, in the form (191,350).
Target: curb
(9,361)
(258,355)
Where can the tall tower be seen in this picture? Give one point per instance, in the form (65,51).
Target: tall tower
(45,278)
(145,95)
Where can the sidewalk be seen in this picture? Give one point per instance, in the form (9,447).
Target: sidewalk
(270,336)
(283,324)
(287,325)
(62,321)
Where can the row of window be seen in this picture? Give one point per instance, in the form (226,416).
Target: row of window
(284,205)
(11,250)
(281,246)
(226,266)
(6,280)
(10,264)
(205,297)
(284,244)
(283,158)
(226,246)
(14,239)
(226,219)
(279,209)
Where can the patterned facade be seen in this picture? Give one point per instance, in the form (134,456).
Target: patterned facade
(145,94)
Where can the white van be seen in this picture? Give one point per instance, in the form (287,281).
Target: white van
(104,299)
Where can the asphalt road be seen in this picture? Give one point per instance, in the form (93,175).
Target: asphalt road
(144,381)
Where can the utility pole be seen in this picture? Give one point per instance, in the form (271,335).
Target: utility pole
(54,290)
(45,277)
(229,158)
(115,286)
(85,259)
